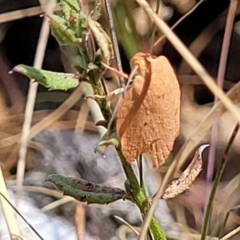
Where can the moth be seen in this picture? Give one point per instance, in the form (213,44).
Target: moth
(148,117)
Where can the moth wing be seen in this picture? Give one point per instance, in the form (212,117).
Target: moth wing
(156,123)
(163,103)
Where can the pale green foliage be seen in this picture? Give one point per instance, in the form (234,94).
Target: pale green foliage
(85,191)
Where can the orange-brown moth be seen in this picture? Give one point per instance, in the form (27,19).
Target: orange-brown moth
(148,117)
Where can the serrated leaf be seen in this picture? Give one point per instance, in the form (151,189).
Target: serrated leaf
(85,191)
(66,10)
(51,80)
(61,30)
(188,176)
(70,16)
(71,5)
(71,12)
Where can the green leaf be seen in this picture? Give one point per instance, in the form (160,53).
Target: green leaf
(85,191)
(71,12)
(70,5)
(51,80)
(61,30)
(106,141)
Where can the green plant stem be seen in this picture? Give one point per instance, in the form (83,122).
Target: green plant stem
(154,29)
(215,184)
(138,196)
(134,190)
(136,193)
(93,106)
(129,40)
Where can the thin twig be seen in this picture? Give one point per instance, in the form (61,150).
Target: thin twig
(133,72)
(48,120)
(38,189)
(203,39)
(82,118)
(57,203)
(42,43)
(24,219)
(153,27)
(179,21)
(207,79)
(192,61)
(114,40)
(127,224)
(79,220)
(22,13)
(216,182)
(7,210)
(220,80)
(230,234)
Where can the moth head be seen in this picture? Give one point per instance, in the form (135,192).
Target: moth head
(140,60)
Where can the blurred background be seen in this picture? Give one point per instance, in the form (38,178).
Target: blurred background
(65,144)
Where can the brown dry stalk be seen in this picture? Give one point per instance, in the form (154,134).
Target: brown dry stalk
(79,219)
(148,118)
(7,210)
(40,52)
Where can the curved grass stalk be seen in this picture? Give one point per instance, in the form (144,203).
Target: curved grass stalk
(216,182)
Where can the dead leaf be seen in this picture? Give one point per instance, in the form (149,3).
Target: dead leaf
(187,177)
(102,39)
(148,118)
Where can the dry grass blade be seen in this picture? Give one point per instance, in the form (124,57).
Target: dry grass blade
(191,60)
(57,203)
(209,208)
(18,14)
(148,118)
(42,43)
(203,39)
(7,210)
(82,118)
(44,190)
(48,120)
(207,79)
(195,139)
(127,224)
(15,209)
(220,79)
(114,39)
(179,21)
(79,219)
(230,234)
